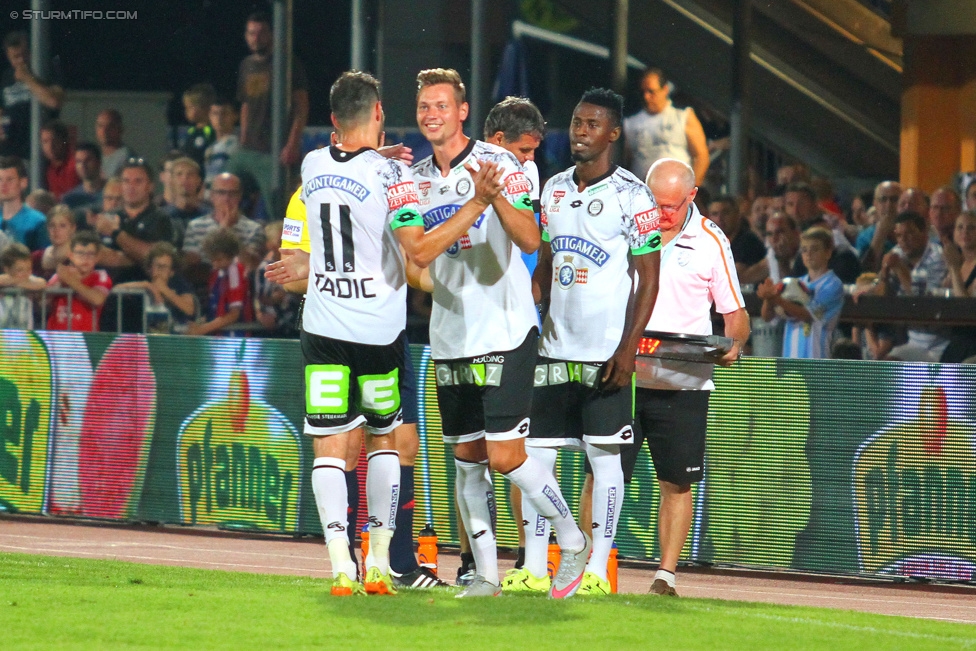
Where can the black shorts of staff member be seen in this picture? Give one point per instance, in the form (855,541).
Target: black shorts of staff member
(674,424)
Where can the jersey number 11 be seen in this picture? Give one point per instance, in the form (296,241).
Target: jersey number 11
(345,232)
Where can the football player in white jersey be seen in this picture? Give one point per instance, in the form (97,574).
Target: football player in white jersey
(355,311)
(599,224)
(483,332)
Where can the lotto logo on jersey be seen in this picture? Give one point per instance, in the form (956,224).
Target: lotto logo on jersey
(401,194)
(647,221)
(517,184)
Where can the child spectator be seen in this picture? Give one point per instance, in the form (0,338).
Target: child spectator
(61,227)
(197,101)
(17,310)
(223,119)
(171,295)
(229,301)
(274,308)
(91,286)
(812,314)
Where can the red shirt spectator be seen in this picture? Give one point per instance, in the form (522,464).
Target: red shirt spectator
(84,315)
(229,289)
(60,175)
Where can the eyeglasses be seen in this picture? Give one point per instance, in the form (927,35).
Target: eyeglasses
(135,161)
(225,193)
(673,209)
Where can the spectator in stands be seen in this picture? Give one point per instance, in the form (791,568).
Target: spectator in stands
(187,204)
(223,119)
(134,229)
(944,208)
(970,195)
(860,215)
(108,132)
(913,200)
(166,181)
(171,295)
(878,238)
(61,227)
(801,205)
(276,309)
(813,312)
(660,130)
(759,217)
(747,249)
(961,261)
(197,101)
(59,171)
(17,310)
(792,173)
(226,196)
(912,268)
(88,166)
(18,85)
(254,95)
(41,200)
(229,297)
(21,223)
(784,245)
(111,203)
(90,286)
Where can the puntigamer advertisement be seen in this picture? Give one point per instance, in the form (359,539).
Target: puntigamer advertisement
(828,466)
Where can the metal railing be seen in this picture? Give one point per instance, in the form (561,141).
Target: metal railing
(41,302)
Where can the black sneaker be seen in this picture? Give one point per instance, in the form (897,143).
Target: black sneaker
(421,578)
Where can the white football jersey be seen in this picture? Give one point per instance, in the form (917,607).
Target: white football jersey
(591,232)
(482,290)
(357,284)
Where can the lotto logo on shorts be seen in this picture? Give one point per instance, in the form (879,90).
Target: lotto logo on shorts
(647,221)
(517,184)
(401,194)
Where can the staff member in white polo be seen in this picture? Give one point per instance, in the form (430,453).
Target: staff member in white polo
(697,270)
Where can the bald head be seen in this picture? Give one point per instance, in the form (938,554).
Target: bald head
(672,183)
(671,173)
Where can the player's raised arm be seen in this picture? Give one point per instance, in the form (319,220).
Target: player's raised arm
(422,247)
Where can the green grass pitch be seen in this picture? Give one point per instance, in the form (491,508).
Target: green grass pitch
(59,603)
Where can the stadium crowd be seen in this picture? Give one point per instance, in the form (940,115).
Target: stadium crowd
(195,231)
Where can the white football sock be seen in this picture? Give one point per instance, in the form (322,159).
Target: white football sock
(476,501)
(540,488)
(329,488)
(382,496)
(668,577)
(608,497)
(536,525)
